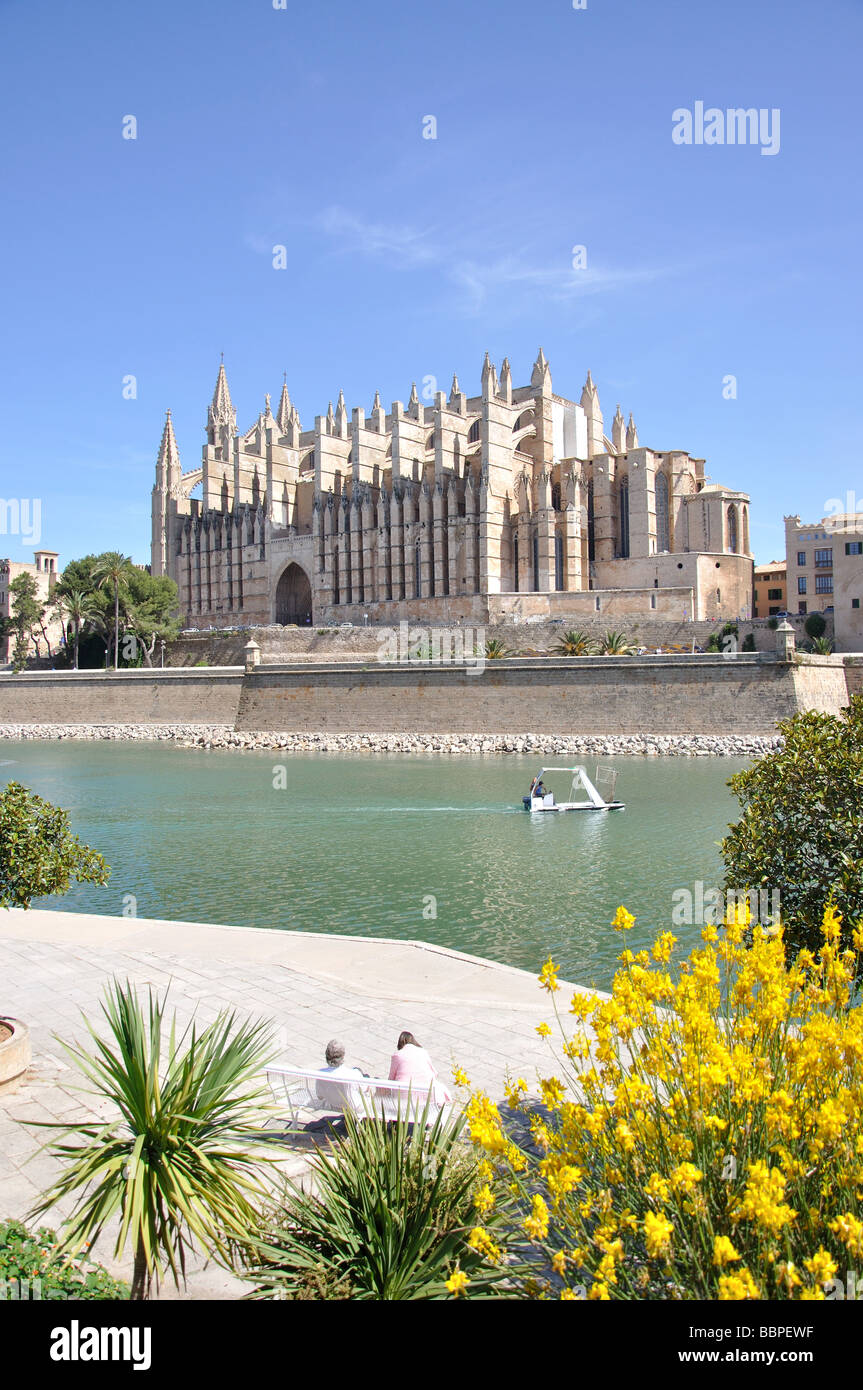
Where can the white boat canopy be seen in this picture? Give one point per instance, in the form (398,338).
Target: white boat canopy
(580,783)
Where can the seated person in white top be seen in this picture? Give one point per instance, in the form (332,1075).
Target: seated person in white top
(330,1093)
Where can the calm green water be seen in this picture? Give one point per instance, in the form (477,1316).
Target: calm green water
(361,844)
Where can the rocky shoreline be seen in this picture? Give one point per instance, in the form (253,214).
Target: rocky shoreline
(222,736)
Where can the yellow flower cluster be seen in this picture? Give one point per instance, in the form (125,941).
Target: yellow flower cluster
(707,1141)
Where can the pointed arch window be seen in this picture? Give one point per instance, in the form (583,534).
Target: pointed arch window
(623,518)
(663,534)
(732,529)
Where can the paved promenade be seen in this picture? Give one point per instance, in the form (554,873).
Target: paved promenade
(53,965)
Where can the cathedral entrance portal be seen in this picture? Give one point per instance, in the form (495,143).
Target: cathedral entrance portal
(294,597)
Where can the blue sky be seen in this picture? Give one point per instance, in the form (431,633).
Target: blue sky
(407,258)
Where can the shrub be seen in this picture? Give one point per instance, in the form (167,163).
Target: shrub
(815,625)
(495,650)
(31,1267)
(615,644)
(390,1215)
(748,644)
(703,1139)
(575,643)
(822,646)
(801,831)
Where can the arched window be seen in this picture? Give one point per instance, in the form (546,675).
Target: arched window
(558,560)
(555,497)
(623,518)
(591,543)
(732,529)
(336,598)
(474,432)
(663,537)
(536,562)
(745,530)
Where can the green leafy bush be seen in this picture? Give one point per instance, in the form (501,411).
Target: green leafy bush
(31,1267)
(801,830)
(815,625)
(39,855)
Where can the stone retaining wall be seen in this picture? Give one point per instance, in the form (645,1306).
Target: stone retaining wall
(659,695)
(587,696)
(122,697)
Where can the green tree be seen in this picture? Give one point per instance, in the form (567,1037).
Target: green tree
(801,830)
(111,571)
(79,607)
(176,1160)
(145,606)
(27,614)
(815,625)
(39,855)
(151,612)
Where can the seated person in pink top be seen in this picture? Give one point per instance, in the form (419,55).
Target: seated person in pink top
(412,1063)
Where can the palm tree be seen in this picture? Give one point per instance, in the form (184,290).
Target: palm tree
(79,607)
(495,650)
(615,644)
(176,1161)
(575,643)
(111,569)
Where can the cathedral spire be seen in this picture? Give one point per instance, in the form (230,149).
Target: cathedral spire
(168,463)
(631,434)
(221,416)
(283,414)
(223,407)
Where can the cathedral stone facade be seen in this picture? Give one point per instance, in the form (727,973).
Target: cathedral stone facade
(511,504)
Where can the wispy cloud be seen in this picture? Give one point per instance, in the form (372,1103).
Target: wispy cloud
(405,245)
(477,281)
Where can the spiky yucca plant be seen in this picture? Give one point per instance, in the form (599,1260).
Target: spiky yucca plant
(389,1215)
(176,1162)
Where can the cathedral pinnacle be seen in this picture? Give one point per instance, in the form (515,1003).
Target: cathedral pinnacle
(283,415)
(540,377)
(631,434)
